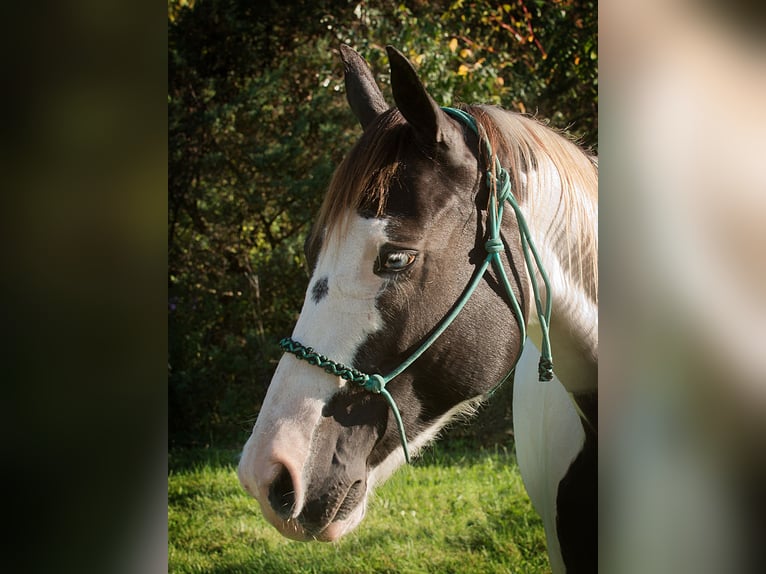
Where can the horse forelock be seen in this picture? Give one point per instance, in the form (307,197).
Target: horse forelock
(525,145)
(362,180)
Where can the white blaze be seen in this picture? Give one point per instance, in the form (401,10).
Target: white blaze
(340,322)
(335,326)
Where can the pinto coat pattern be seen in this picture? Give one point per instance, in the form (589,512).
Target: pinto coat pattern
(397,240)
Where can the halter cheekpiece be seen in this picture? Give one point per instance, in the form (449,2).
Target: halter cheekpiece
(499,184)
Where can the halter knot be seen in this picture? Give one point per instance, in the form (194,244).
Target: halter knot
(501,181)
(494,245)
(545,370)
(374,383)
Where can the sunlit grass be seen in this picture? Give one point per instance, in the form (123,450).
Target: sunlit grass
(455,510)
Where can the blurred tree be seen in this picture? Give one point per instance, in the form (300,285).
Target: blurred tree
(258,121)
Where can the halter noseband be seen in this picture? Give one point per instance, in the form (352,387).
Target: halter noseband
(499,184)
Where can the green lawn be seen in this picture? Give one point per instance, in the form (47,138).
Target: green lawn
(455,510)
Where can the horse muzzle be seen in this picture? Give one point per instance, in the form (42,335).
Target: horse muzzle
(305,488)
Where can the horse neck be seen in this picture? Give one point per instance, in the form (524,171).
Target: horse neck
(564,231)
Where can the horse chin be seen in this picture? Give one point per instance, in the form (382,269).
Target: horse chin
(337,530)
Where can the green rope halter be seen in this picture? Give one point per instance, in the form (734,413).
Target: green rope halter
(499,184)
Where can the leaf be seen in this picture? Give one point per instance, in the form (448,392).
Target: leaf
(453,45)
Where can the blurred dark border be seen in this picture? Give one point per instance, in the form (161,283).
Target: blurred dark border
(84,159)
(84,212)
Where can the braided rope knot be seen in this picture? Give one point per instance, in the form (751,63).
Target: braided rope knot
(329,366)
(494,245)
(545,370)
(373,383)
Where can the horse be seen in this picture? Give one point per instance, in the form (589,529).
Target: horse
(417,273)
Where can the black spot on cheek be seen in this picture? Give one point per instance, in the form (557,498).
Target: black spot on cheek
(319,290)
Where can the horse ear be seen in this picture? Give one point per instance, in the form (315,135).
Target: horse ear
(414,102)
(363,94)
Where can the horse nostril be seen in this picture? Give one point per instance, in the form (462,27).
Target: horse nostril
(282,495)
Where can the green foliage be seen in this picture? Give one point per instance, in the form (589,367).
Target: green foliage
(257,123)
(455,511)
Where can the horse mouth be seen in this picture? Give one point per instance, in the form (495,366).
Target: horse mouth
(349,502)
(325,522)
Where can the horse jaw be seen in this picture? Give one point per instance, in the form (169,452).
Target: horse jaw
(383,471)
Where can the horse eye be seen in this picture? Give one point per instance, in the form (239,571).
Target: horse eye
(395,260)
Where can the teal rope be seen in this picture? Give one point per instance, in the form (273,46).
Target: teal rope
(499,184)
(500,190)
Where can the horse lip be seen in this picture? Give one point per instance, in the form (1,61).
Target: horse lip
(348,513)
(349,503)
(337,529)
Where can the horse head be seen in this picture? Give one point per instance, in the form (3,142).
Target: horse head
(399,237)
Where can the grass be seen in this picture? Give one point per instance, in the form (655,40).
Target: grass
(456,510)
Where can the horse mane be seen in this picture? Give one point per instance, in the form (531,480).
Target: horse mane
(528,149)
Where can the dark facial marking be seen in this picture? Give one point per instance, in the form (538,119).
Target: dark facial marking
(319,290)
